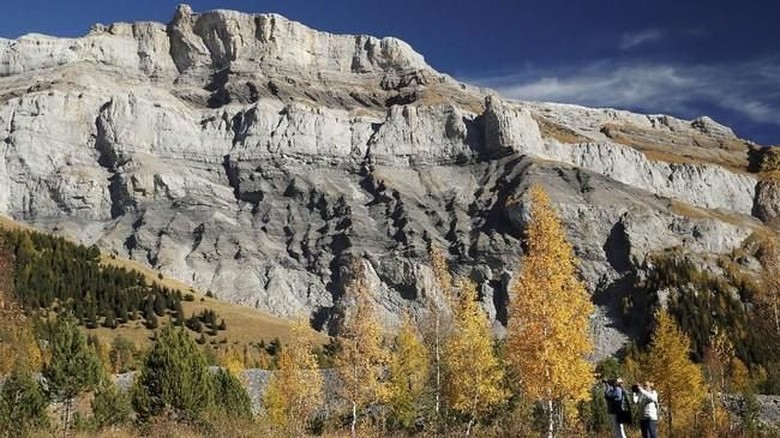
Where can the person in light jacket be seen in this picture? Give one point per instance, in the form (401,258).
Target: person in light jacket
(616,398)
(647,399)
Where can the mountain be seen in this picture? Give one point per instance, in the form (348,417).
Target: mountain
(255,157)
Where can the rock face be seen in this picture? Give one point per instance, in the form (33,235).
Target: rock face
(254,157)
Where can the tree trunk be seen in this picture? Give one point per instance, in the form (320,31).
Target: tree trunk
(474,403)
(550,419)
(438,367)
(66,428)
(354,418)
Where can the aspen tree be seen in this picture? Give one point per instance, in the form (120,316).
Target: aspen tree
(718,357)
(439,306)
(473,372)
(231,359)
(295,390)
(362,359)
(409,371)
(679,381)
(548,335)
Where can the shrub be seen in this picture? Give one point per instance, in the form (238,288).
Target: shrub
(174,377)
(111,406)
(23,404)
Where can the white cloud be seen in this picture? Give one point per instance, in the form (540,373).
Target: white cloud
(631,40)
(748,88)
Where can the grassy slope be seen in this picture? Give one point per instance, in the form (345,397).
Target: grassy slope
(244,325)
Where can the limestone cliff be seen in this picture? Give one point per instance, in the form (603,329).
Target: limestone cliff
(253,156)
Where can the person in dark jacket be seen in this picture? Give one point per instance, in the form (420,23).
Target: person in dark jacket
(617,400)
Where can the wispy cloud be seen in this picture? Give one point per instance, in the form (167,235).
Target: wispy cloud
(748,88)
(629,41)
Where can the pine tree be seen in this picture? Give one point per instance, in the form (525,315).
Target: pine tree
(473,372)
(111,406)
(408,373)
(73,367)
(174,376)
(296,387)
(23,404)
(548,339)
(679,381)
(233,400)
(361,361)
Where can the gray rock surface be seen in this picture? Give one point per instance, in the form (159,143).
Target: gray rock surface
(253,156)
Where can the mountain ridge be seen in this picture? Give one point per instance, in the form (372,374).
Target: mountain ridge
(254,156)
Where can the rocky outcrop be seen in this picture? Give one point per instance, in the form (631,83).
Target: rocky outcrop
(255,157)
(767,206)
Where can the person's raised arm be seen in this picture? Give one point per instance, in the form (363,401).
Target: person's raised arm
(651,395)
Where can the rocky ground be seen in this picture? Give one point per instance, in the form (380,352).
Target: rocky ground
(254,157)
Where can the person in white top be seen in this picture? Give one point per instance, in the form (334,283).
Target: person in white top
(647,399)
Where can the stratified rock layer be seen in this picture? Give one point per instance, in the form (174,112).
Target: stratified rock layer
(254,157)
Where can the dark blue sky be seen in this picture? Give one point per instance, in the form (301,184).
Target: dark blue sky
(686,58)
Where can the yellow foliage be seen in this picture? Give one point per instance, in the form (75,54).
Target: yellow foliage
(18,345)
(439,305)
(102,351)
(441,270)
(295,390)
(679,381)
(409,368)
(473,373)
(548,335)
(739,377)
(362,359)
(231,359)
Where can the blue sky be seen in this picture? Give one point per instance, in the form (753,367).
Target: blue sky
(686,58)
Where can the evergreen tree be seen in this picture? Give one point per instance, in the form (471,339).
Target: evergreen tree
(23,405)
(233,400)
(679,381)
(91,316)
(295,389)
(548,338)
(73,367)
(152,322)
(408,373)
(473,372)
(111,406)
(361,361)
(159,304)
(110,320)
(174,376)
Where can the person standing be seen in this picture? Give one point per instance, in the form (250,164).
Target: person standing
(647,399)
(616,400)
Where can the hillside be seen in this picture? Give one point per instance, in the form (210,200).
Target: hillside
(252,156)
(245,326)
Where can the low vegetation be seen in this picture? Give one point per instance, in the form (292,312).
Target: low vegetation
(442,375)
